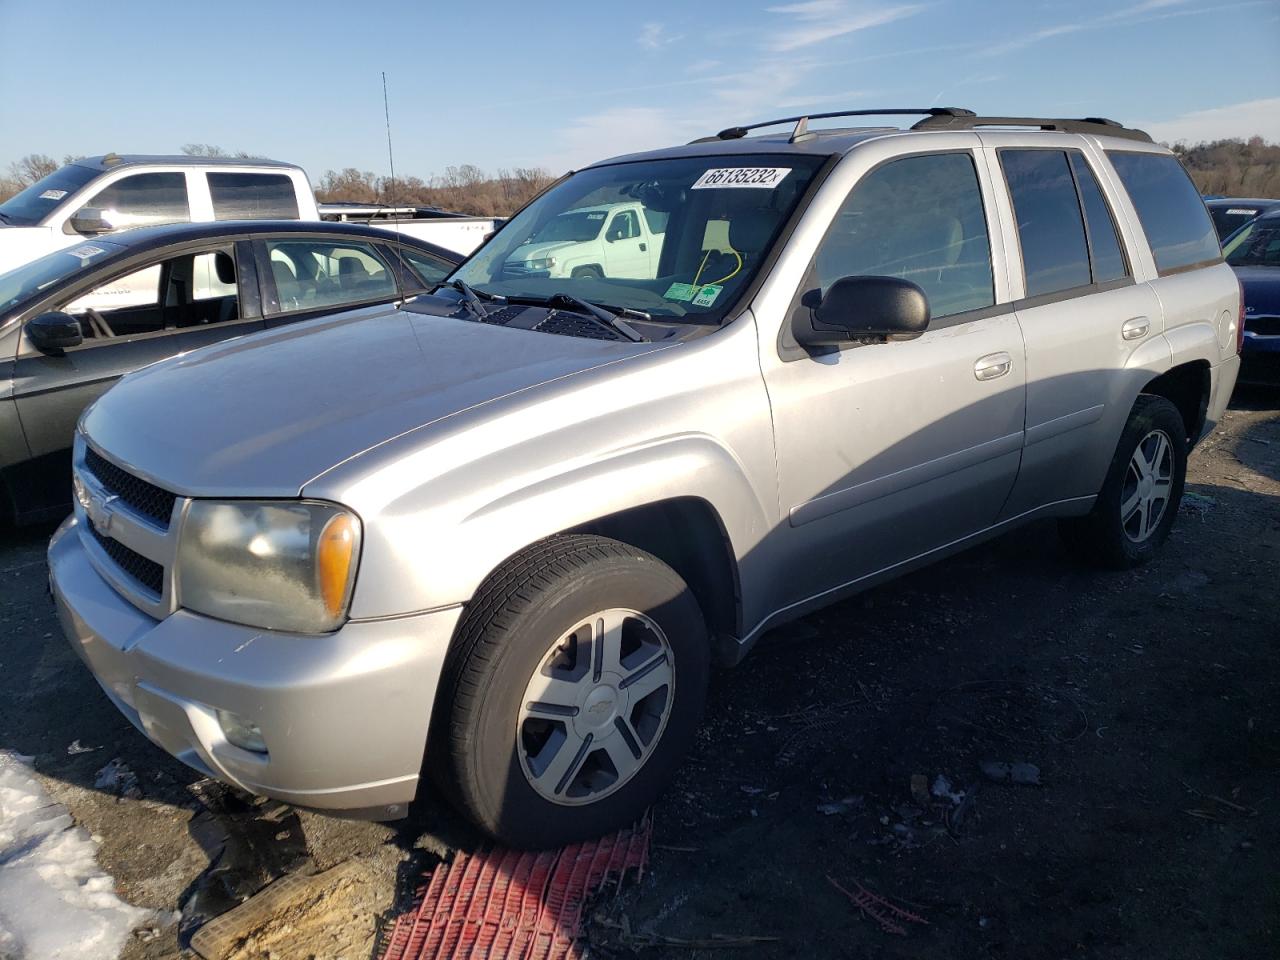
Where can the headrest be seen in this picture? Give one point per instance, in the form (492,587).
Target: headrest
(750,230)
(351,267)
(282,271)
(225,267)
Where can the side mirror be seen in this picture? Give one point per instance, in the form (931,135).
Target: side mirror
(866,309)
(89,222)
(52,333)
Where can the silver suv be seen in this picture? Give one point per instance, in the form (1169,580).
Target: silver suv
(496,537)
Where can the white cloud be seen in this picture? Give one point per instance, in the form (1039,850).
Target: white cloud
(620,130)
(815,21)
(1253,118)
(654,36)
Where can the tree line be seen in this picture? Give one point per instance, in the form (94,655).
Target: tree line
(1244,168)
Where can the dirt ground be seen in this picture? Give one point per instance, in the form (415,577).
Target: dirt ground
(1146,702)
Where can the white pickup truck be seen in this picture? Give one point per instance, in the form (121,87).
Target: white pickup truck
(104,194)
(611,240)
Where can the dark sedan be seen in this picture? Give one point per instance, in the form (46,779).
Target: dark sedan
(1254,252)
(75,321)
(1229,214)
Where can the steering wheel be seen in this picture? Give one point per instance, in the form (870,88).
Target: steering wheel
(98,320)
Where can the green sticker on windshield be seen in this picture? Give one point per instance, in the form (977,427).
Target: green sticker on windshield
(707,295)
(681,291)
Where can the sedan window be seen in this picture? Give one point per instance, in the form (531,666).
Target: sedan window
(317,274)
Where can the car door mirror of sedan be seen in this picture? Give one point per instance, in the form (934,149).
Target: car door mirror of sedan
(865,310)
(89,222)
(52,333)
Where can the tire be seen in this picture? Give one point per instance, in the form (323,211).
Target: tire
(516,770)
(586,273)
(1113,534)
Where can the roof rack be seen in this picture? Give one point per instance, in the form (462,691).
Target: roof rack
(801,131)
(1099,126)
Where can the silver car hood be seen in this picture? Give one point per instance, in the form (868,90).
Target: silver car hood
(262,415)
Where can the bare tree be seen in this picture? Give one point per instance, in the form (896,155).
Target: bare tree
(33,167)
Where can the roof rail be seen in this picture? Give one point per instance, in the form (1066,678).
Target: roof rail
(1099,126)
(801,131)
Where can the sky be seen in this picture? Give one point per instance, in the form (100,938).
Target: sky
(505,84)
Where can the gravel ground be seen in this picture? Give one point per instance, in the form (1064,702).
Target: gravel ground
(1145,701)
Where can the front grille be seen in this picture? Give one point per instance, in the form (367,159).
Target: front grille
(146,572)
(145,498)
(570,325)
(1263,326)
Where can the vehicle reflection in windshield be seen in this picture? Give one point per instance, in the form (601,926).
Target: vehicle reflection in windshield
(677,239)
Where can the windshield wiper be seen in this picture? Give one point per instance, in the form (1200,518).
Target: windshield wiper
(471,298)
(5,217)
(609,319)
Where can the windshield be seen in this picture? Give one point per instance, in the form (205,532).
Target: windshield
(677,239)
(576,225)
(29,280)
(33,204)
(1256,245)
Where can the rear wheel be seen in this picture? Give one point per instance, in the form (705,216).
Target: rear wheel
(572,691)
(1139,499)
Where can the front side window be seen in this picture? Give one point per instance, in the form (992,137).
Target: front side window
(144,199)
(1172,214)
(317,274)
(713,221)
(920,219)
(1055,253)
(186,291)
(253,196)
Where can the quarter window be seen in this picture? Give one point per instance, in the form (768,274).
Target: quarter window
(1055,253)
(429,269)
(143,200)
(920,219)
(1169,207)
(315,274)
(253,196)
(1104,244)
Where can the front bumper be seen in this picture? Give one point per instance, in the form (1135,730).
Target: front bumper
(344,715)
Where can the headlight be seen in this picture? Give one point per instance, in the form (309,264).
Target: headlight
(546,264)
(279,565)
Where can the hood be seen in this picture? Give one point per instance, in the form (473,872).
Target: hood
(263,415)
(537,251)
(1261,291)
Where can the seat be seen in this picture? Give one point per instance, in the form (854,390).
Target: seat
(352,274)
(287,287)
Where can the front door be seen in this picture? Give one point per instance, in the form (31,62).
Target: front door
(888,451)
(626,254)
(151,312)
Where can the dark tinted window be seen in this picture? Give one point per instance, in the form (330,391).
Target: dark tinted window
(430,269)
(1172,214)
(921,219)
(1104,243)
(1227,219)
(253,196)
(1050,230)
(144,199)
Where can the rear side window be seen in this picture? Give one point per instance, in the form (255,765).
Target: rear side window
(319,274)
(1171,212)
(253,196)
(1055,253)
(1104,243)
(921,219)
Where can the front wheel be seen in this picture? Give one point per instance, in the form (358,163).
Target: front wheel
(572,691)
(1139,499)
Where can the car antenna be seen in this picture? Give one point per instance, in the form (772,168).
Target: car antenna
(391,157)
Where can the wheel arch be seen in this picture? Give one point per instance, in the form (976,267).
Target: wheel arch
(1187,387)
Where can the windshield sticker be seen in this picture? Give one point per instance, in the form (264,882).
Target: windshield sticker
(86,252)
(761,178)
(53,195)
(707,295)
(1240,212)
(681,291)
(595,216)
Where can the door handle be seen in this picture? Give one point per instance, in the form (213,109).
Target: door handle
(1135,328)
(643,246)
(992,366)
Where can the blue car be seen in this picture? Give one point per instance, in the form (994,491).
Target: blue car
(1254,252)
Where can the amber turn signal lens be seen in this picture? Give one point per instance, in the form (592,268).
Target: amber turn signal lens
(335,556)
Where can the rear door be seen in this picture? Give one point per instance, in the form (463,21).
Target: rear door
(1083,315)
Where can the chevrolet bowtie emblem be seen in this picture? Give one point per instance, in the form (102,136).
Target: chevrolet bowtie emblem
(100,512)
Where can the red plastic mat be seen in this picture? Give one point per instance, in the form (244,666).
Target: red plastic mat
(503,904)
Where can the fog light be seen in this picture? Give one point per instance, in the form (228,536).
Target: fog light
(240,732)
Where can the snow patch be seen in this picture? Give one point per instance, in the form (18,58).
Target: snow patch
(55,901)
